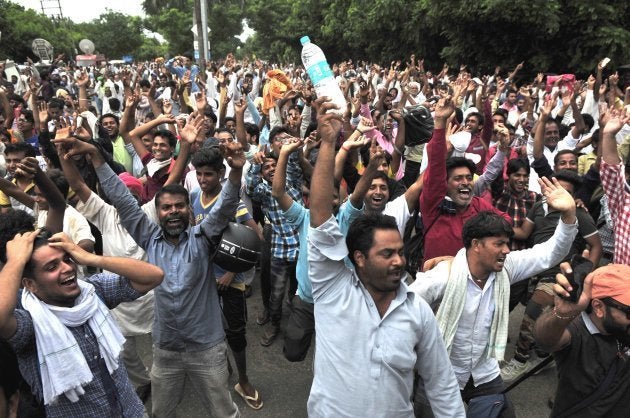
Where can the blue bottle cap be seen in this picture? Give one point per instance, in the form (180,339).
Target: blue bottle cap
(305,40)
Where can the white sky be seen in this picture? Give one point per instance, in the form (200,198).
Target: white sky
(84,11)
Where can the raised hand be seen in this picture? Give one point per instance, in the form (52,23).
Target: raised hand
(28,167)
(561,289)
(200,101)
(20,248)
(240,106)
(355,142)
(616,121)
(365,125)
(444,108)
(70,146)
(42,108)
(63,241)
(557,197)
(82,80)
(291,144)
(233,154)
(167,106)
(328,124)
(192,131)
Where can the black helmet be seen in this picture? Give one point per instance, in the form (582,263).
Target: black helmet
(418,125)
(238,249)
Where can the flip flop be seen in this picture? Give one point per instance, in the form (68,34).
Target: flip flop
(249,400)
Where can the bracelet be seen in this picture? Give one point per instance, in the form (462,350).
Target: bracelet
(555,313)
(345,149)
(360,131)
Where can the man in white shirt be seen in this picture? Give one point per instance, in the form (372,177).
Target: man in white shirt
(371,331)
(473,292)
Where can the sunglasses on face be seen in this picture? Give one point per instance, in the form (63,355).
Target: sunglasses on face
(614,304)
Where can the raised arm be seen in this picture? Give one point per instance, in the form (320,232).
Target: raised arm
(18,253)
(609,143)
(539,136)
(278,189)
(143,276)
(136,134)
(239,114)
(550,329)
(322,187)
(56,201)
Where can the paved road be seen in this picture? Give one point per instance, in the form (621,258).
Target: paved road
(284,386)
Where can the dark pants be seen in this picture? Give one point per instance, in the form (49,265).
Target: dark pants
(234,308)
(412,171)
(422,408)
(265,266)
(282,272)
(300,329)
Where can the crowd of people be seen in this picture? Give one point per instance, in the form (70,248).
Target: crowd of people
(400,244)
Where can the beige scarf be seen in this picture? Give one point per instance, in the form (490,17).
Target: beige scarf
(454,299)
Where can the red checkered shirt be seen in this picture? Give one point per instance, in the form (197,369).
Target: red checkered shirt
(613,181)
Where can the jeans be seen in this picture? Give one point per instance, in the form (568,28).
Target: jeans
(282,271)
(300,329)
(422,408)
(208,373)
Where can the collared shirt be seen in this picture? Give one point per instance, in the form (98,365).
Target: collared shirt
(364,362)
(613,181)
(187,311)
(300,217)
(517,207)
(284,237)
(473,331)
(106,395)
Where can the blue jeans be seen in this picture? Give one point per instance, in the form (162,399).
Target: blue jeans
(282,271)
(208,373)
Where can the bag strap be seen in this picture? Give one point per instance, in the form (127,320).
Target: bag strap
(603,386)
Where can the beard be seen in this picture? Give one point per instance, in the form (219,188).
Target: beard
(174,230)
(618,331)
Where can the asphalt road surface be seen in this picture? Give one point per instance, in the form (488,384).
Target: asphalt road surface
(284,386)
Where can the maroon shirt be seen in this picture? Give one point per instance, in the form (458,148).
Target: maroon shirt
(444,233)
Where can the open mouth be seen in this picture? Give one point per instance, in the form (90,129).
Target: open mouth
(378,200)
(70,281)
(501,261)
(174,222)
(464,193)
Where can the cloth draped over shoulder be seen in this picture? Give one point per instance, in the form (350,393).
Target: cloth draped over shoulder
(277,84)
(454,299)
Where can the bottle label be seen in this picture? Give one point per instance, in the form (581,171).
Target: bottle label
(319,71)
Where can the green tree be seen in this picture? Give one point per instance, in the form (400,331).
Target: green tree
(174,25)
(115,34)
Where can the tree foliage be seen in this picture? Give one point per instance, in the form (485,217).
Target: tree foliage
(554,35)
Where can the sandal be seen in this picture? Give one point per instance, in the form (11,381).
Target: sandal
(249,400)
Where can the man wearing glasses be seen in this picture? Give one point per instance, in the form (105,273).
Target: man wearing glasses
(590,341)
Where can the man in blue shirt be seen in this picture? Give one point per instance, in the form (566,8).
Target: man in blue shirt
(209,168)
(188,335)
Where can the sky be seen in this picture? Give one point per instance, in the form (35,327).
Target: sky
(85,11)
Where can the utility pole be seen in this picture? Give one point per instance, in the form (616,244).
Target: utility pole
(205,53)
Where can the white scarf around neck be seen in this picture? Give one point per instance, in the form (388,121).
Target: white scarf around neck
(63,367)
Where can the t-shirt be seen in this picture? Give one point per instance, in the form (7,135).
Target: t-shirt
(545,222)
(583,365)
(200,211)
(121,155)
(399,210)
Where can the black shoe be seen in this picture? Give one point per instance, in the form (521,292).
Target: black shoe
(144,392)
(263,317)
(270,336)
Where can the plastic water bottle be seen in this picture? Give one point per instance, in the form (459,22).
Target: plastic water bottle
(320,74)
